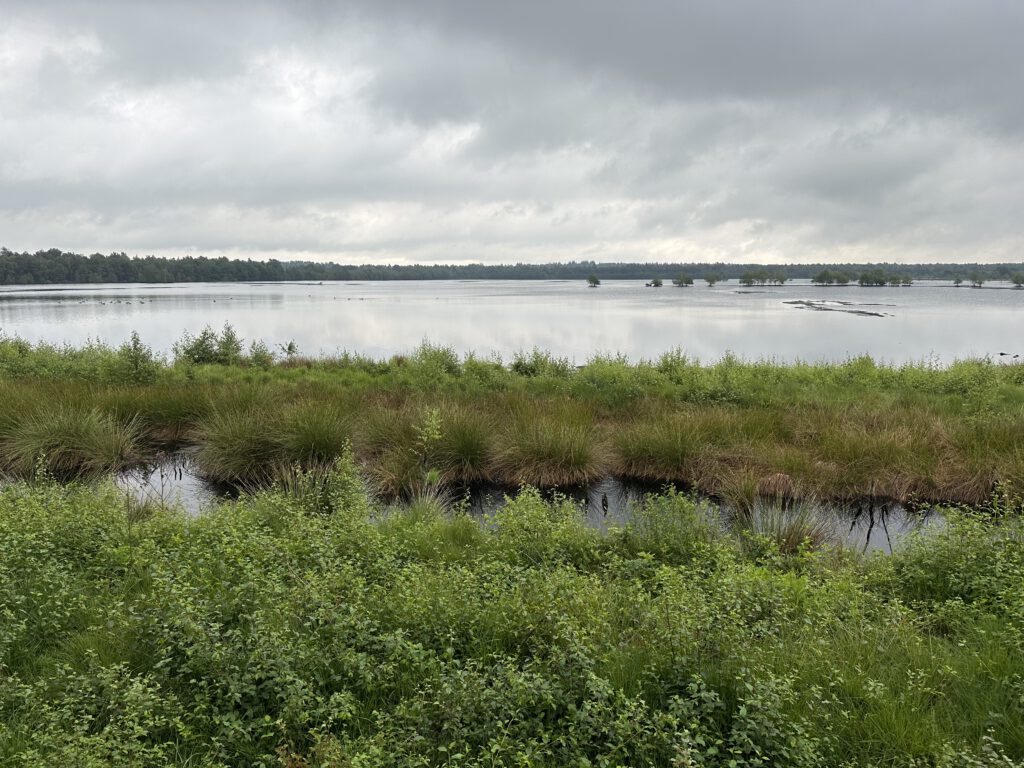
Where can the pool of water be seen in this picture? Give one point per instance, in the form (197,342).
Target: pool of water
(865,527)
(796,321)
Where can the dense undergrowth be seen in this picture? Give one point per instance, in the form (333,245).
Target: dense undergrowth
(308,627)
(732,429)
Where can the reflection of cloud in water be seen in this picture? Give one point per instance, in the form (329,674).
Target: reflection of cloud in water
(380,319)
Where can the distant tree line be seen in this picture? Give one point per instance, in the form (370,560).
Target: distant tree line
(56,266)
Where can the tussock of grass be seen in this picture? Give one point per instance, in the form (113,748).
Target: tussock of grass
(547,450)
(465,449)
(312,433)
(660,450)
(788,527)
(69,443)
(389,445)
(839,431)
(237,446)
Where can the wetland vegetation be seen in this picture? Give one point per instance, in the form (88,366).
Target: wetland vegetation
(345,612)
(835,431)
(306,625)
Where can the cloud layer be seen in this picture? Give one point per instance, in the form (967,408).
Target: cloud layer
(465,131)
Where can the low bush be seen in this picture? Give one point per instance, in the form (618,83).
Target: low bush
(303,626)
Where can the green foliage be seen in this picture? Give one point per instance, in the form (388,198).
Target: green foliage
(830,277)
(209,347)
(593,281)
(762,277)
(139,365)
(55,266)
(260,355)
(540,363)
(682,279)
(303,627)
(657,283)
(879,277)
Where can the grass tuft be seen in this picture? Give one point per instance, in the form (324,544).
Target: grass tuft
(312,433)
(788,527)
(69,443)
(465,449)
(237,447)
(550,450)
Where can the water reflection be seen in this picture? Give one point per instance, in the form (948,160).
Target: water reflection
(171,480)
(866,527)
(566,318)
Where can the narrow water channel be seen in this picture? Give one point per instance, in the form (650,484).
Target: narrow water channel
(866,526)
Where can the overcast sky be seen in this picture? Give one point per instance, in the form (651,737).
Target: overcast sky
(516,131)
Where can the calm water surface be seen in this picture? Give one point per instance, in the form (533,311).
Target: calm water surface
(795,321)
(865,527)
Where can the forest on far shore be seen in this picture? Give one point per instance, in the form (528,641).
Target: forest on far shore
(54,266)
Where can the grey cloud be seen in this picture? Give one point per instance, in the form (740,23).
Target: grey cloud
(398,131)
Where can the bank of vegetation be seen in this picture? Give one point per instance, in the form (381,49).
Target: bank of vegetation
(307,625)
(733,429)
(53,266)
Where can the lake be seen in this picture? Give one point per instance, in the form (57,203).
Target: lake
(797,321)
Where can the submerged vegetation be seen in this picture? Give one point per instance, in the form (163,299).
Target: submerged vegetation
(832,431)
(306,626)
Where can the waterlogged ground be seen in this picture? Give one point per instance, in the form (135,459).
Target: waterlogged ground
(795,321)
(865,527)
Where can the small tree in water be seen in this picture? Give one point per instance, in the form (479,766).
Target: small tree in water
(593,281)
(682,279)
